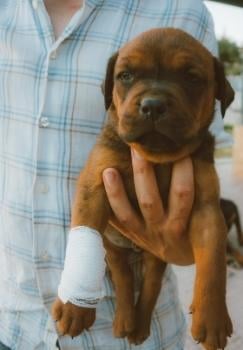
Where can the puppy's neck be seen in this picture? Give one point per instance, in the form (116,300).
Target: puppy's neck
(109,136)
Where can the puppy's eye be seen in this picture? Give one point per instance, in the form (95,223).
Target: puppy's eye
(126,77)
(193,77)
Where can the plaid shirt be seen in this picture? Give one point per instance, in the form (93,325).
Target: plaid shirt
(51,110)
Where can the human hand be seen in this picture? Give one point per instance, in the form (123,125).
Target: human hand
(149,232)
(71,319)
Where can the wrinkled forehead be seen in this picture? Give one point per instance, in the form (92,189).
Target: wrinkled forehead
(167,48)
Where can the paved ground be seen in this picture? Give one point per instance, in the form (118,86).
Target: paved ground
(234,301)
(231,177)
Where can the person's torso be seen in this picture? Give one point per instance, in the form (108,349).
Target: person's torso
(51,111)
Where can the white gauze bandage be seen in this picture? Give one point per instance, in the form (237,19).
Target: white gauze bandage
(84,268)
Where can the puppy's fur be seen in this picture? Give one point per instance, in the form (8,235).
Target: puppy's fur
(160,92)
(232,218)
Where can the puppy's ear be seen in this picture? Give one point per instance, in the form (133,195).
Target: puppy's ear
(224,92)
(107,85)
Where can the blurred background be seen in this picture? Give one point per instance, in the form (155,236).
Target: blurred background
(228,20)
(229,31)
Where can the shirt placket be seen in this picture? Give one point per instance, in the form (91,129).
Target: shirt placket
(42,254)
(41,186)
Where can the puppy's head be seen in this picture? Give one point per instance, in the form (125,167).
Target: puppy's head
(162,87)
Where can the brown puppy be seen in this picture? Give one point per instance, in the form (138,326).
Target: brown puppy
(160,92)
(232,218)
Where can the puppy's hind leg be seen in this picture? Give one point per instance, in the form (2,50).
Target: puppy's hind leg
(238,227)
(122,278)
(235,253)
(153,274)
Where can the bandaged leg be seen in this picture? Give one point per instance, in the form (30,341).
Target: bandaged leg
(84,268)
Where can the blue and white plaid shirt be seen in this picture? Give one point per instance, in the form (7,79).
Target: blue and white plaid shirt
(51,110)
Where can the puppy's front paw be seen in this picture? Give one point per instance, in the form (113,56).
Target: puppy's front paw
(71,319)
(211,326)
(124,322)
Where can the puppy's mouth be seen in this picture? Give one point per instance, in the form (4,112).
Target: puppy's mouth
(156,142)
(165,134)
(153,141)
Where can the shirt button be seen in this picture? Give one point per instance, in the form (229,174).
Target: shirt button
(35,4)
(50,325)
(45,256)
(44,188)
(53,55)
(44,122)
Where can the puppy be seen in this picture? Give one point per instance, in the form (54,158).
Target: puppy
(232,218)
(160,92)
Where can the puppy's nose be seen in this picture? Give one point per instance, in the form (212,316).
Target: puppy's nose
(152,107)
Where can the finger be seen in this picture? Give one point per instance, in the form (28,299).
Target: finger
(141,239)
(56,310)
(147,190)
(181,194)
(119,202)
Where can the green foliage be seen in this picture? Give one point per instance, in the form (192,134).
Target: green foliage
(231,55)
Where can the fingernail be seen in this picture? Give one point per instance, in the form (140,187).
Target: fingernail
(109,177)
